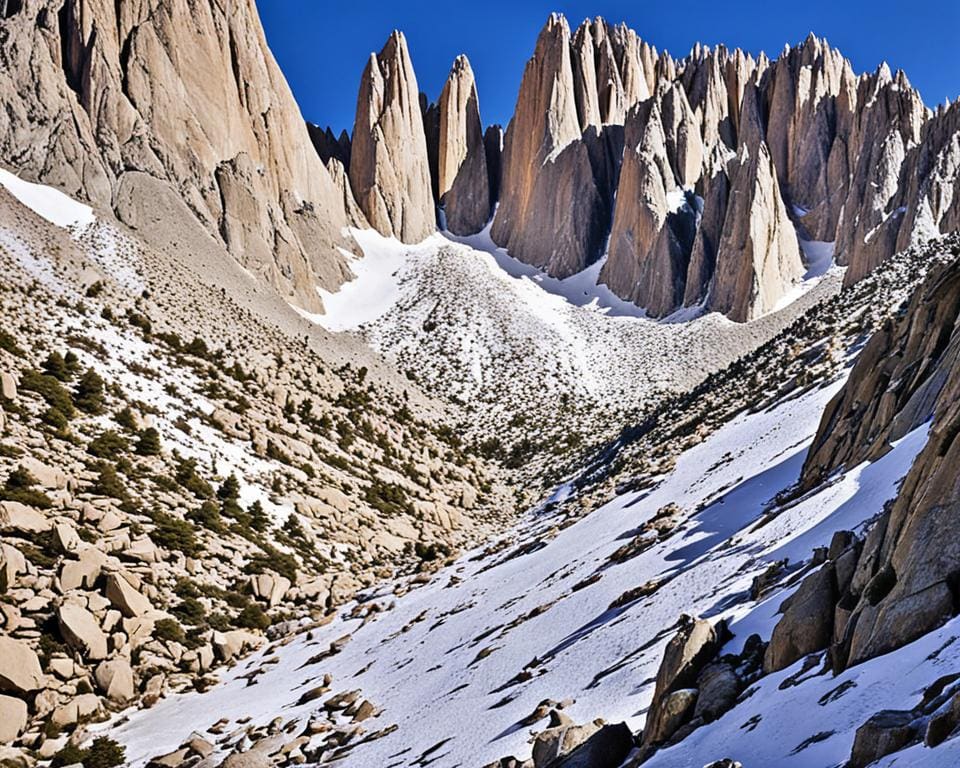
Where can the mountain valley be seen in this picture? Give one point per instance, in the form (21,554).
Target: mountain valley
(621,435)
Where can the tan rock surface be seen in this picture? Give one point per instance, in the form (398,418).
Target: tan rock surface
(389,170)
(13,718)
(185,93)
(20,670)
(463,185)
(81,631)
(556,191)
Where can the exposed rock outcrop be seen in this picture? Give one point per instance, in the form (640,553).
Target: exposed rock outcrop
(905,579)
(896,384)
(691,648)
(654,222)
(735,251)
(753,156)
(758,256)
(890,116)
(557,185)
(463,184)
(185,92)
(389,170)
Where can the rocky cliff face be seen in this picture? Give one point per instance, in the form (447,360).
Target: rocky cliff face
(120,95)
(389,169)
(463,184)
(890,115)
(735,248)
(729,161)
(905,582)
(558,181)
(925,202)
(830,157)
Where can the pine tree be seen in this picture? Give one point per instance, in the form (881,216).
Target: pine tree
(88,395)
(229,489)
(258,517)
(148,443)
(56,366)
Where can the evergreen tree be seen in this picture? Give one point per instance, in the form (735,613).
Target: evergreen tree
(56,366)
(229,489)
(258,517)
(148,443)
(88,394)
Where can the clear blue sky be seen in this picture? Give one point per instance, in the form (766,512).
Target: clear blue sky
(322,45)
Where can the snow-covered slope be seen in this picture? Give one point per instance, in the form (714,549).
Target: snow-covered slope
(456,665)
(545,365)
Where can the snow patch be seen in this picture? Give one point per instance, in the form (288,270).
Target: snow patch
(442,660)
(50,203)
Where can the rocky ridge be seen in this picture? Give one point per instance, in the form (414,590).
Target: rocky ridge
(389,171)
(122,97)
(906,377)
(711,182)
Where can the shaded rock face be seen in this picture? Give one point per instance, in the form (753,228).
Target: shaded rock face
(734,250)
(558,180)
(807,623)
(120,95)
(389,169)
(728,163)
(810,97)
(905,582)
(890,117)
(920,197)
(493,148)
(329,145)
(652,232)
(674,698)
(896,384)
(462,179)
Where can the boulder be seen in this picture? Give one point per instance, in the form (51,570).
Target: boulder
(8,386)
(12,563)
(170,760)
(229,644)
(13,718)
(269,587)
(80,629)
(719,687)
(77,709)
(807,622)
(21,518)
(125,597)
(20,671)
(251,759)
(695,643)
(553,743)
(607,748)
(47,477)
(65,538)
(82,573)
(115,679)
(883,734)
(675,709)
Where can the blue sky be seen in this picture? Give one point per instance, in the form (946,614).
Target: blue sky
(322,46)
